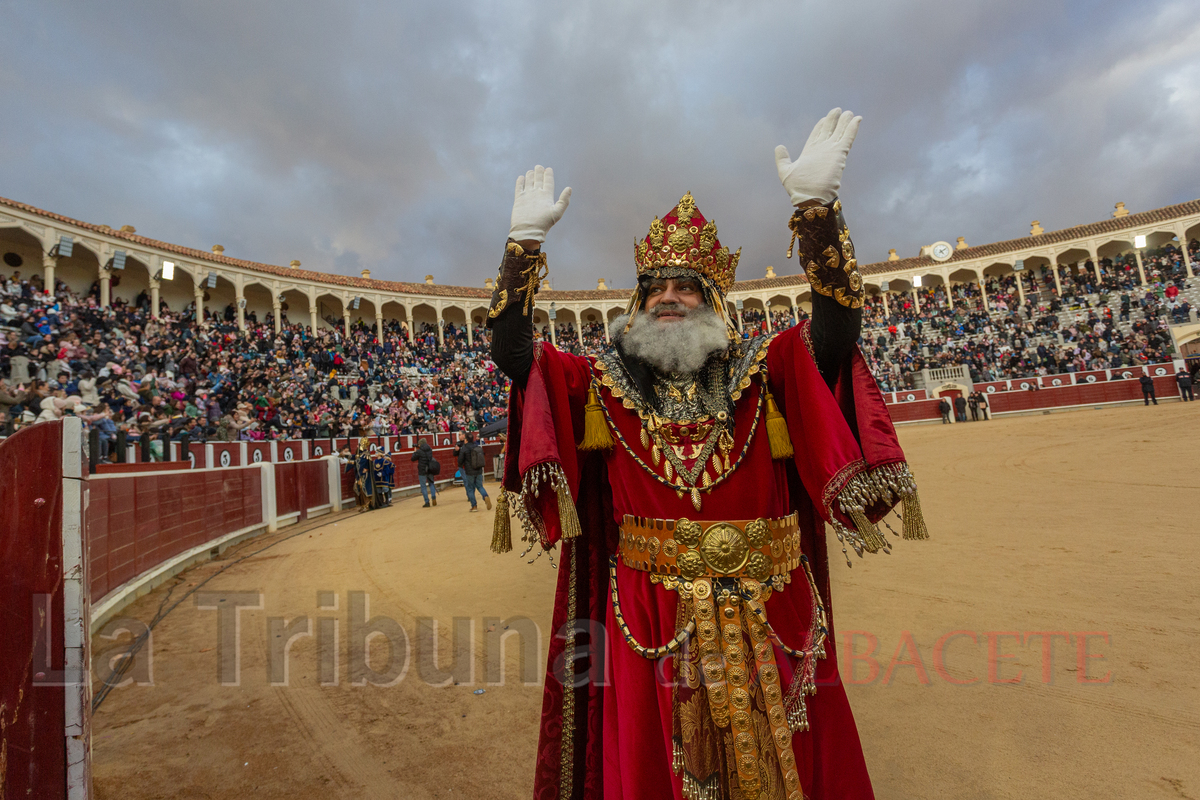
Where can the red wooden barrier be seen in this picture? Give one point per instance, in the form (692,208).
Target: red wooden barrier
(906,396)
(992,386)
(1079,395)
(288,451)
(912,412)
(136,522)
(138,466)
(258,452)
(301,486)
(1091,376)
(227,454)
(44,699)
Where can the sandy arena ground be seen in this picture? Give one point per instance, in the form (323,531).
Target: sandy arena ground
(1077,523)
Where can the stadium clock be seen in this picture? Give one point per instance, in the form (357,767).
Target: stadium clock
(941,251)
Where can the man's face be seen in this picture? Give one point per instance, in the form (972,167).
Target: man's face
(676,296)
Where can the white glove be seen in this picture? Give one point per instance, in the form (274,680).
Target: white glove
(817,173)
(534,209)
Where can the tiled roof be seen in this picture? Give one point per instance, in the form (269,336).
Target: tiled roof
(783,282)
(1107,227)
(255,266)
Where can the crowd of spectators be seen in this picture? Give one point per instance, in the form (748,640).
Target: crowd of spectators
(118,368)
(1104,323)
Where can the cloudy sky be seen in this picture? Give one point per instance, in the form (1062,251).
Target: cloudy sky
(387,135)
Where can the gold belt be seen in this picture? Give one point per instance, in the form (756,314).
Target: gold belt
(752,548)
(724,571)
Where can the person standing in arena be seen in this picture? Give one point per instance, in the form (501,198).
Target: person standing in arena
(426,473)
(944,410)
(364,477)
(472,462)
(1147,390)
(1184,379)
(688,475)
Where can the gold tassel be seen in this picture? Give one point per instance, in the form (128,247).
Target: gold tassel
(568,517)
(502,526)
(873,540)
(777,429)
(914,520)
(595,426)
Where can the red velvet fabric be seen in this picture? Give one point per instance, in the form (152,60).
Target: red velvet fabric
(621,732)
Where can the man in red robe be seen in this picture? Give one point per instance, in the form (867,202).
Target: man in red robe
(688,474)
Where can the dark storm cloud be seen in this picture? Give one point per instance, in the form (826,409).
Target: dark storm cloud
(387,136)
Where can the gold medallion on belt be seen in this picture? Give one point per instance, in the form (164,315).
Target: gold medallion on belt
(724,572)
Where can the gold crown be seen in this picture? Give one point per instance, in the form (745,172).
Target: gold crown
(684,240)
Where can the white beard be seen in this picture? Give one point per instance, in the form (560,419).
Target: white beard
(682,346)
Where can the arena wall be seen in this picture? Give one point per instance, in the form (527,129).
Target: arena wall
(45,687)
(1047,392)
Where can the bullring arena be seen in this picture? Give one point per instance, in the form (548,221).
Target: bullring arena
(1039,644)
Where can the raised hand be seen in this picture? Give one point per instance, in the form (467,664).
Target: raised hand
(817,173)
(534,208)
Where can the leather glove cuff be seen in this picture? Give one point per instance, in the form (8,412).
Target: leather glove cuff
(521,274)
(819,232)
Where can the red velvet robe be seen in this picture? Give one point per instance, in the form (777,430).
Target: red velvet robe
(610,736)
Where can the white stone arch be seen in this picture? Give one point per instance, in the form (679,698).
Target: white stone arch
(423,313)
(395,313)
(178,292)
(997,269)
(1191,232)
(1159,235)
(329,304)
(1187,338)
(931,278)
(478,315)
(222,296)
(27,246)
(295,304)
(1115,246)
(779,302)
(365,313)
(1066,256)
(963,275)
(82,268)
(260,300)
(591,314)
(129,283)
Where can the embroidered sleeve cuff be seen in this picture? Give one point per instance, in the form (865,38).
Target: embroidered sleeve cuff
(520,275)
(820,234)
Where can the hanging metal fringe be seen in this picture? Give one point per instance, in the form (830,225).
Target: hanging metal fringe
(502,526)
